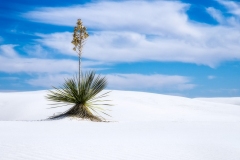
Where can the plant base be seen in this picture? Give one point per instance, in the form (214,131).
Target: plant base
(78,111)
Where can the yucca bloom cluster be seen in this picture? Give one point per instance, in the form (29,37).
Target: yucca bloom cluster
(79,36)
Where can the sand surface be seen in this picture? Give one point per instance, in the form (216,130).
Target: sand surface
(145,126)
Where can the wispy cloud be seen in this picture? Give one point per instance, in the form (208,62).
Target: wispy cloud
(216,14)
(35,65)
(140,33)
(48,80)
(36,50)
(219,44)
(8,51)
(154,82)
(11,62)
(229,92)
(211,77)
(232,6)
(143,16)
(60,42)
(9,78)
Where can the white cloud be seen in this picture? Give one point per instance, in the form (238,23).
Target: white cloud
(234,10)
(10,62)
(61,42)
(35,65)
(211,77)
(217,45)
(9,78)
(154,82)
(49,80)
(131,31)
(216,14)
(228,92)
(35,50)
(145,17)
(8,51)
(233,7)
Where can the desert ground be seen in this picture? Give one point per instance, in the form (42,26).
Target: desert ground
(142,126)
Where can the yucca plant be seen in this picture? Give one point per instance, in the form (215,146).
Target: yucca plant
(83,96)
(81,91)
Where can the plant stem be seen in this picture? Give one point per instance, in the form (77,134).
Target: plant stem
(79,71)
(80,54)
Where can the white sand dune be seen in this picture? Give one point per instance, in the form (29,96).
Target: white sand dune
(145,126)
(228,100)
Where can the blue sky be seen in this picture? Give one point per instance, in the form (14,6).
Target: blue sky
(189,48)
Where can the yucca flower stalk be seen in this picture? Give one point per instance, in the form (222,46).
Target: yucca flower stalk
(79,38)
